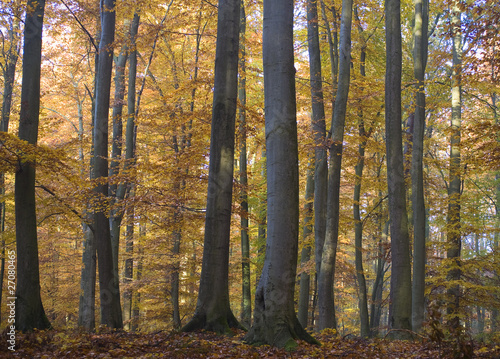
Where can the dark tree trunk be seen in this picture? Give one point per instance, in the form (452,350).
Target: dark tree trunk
(111,315)
(213,310)
(29,309)
(326,280)
(400,310)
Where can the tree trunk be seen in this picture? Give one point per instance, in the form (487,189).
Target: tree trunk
(213,310)
(108,282)
(400,310)
(319,123)
(417,174)
(246,295)
(326,278)
(29,309)
(9,72)
(275,322)
(305,278)
(454,237)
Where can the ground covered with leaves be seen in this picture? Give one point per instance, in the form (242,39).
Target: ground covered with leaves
(72,344)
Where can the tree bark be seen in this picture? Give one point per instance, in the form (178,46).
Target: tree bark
(246,295)
(29,309)
(213,310)
(400,310)
(111,315)
(275,322)
(305,278)
(417,174)
(326,278)
(454,237)
(9,72)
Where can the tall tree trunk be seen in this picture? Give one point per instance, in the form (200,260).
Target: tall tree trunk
(275,322)
(86,305)
(108,282)
(213,310)
(130,150)
(417,173)
(246,295)
(319,123)
(9,72)
(116,212)
(454,237)
(358,224)
(326,278)
(29,309)
(400,310)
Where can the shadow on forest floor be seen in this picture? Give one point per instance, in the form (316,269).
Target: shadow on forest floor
(72,344)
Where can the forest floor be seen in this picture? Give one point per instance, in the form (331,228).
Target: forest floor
(72,344)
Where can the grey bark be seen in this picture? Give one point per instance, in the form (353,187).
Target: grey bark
(111,315)
(9,72)
(326,278)
(275,322)
(246,295)
(420,32)
(213,310)
(29,308)
(130,140)
(400,309)
(305,278)
(454,237)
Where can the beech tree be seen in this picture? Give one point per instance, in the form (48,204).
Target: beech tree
(213,310)
(400,295)
(454,236)
(29,308)
(420,31)
(327,272)
(275,322)
(111,314)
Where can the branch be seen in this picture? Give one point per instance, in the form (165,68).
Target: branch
(81,25)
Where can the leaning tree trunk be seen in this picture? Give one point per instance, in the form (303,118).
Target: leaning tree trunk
(213,310)
(417,172)
(275,322)
(326,278)
(29,309)
(400,310)
(108,283)
(454,237)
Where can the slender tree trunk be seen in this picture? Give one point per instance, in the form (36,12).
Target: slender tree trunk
(108,282)
(319,123)
(116,212)
(417,178)
(9,72)
(213,310)
(246,295)
(305,278)
(29,309)
(326,278)
(454,237)
(400,310)
(86,305)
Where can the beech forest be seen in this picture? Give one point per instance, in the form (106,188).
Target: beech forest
(250,178)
